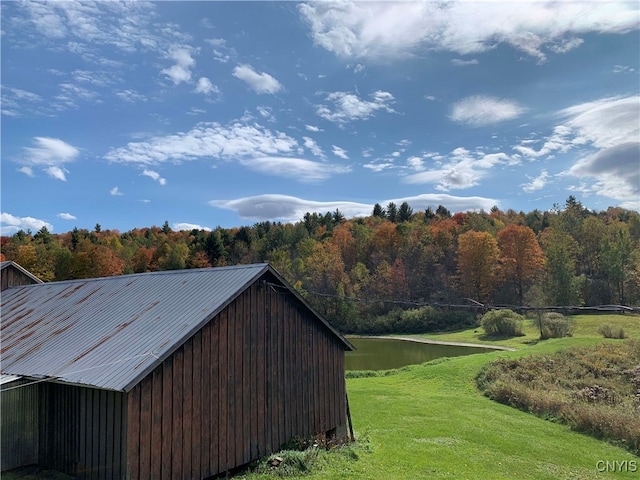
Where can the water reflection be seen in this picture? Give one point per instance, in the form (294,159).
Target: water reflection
(385,353)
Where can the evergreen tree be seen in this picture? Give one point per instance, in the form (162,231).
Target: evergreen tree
(378,211)
(405,212)
(392,212)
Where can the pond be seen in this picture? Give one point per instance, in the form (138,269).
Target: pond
(385,353)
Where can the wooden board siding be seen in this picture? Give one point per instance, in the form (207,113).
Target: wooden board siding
(83,431)
(260,373)
(19,426)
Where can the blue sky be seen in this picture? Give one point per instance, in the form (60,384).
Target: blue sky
(208,114)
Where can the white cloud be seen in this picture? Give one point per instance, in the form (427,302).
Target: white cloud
(56,172)
(613,172)
(287,208)
(431,98)
(480,110)
(313,128)
(601,123)
(623,69)
(206,141)
(457,62)
(378,167)
(292,209)
(606,122)
(66,216)
(266,113)
(180,227)
(259,82)
(415,163)
(607,130)
(131,96)
(155,176)
(463,170)
(348,107)
(536,183)
(565,45)
(205,86)
(28,171)
(115,191)
(297,168)
(339,152)
(181,70)
(9,224)
(391,30)
(313,147)
(49,154)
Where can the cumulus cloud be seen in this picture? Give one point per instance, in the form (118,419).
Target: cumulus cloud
(181,226)
(207,140)
(49,154)
(66,216)
(125,26)
(180,71)
(480,110)
(390,30)
(292,209)
(313,128)
(154,176)
(536,183)
(313,147)
(339,152)
(10,224)
(205,86)
(115,191)
(259,82)
(461,169)
(348,107)
(607,131)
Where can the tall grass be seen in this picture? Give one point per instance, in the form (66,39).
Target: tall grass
(595,390)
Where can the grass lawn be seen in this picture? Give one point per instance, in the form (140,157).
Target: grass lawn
(430,421)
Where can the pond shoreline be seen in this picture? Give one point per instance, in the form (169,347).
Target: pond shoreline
(437,342)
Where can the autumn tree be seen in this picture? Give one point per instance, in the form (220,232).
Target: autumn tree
(477,256)
(521,257)
(562,285)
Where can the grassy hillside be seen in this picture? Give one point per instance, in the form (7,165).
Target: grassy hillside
(430,421)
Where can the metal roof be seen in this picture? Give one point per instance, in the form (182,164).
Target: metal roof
(110,332)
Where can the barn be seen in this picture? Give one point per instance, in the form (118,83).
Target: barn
(177,374)
(12,275)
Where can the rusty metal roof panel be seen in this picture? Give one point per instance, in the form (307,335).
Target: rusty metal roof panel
(110,332)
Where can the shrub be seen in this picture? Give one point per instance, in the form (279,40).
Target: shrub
(592,389)
(608,331)
(502,323)
(416,320)
(554,325)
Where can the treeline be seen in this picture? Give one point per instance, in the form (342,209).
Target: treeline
(355,270)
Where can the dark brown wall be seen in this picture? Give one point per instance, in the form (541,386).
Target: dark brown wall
(260,373)
(83,431)
(12,277)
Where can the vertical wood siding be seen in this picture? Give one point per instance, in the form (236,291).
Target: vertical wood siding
(83,431)
(19,426)
(260,373)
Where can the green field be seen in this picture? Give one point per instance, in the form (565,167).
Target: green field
(430,421)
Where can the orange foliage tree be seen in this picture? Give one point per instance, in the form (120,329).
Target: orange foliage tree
(521,257)
(477,257)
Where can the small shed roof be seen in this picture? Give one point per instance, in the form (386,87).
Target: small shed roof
(12,264)
(111,332)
